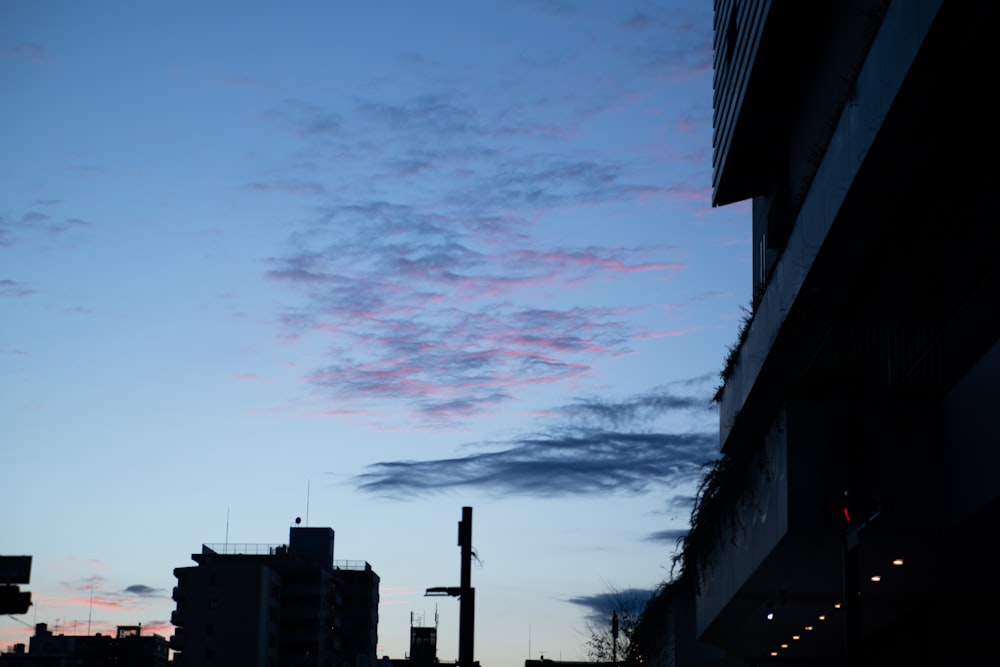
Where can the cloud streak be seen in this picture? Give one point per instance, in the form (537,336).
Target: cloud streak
(600,606)
(597,447)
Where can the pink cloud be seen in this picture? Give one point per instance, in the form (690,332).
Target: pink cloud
(671,333)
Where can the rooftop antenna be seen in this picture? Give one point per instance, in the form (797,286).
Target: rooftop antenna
(90,613)
(307,502)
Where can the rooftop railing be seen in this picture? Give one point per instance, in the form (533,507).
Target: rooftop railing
(351,565)
(246,549)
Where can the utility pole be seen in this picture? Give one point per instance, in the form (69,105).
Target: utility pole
(465,593)
(467,599)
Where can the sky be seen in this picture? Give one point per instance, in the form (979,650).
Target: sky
(363,264)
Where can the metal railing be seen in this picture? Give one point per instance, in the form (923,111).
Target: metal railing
(233,548)
(351,565)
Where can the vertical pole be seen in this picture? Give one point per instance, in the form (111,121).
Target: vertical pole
(852,597)
(467,601)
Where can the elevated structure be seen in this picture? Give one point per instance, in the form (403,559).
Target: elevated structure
(850,519)
(465,592)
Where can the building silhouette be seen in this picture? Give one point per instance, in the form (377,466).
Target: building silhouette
(851,514)
(276,605)
(128,648)
(423,646)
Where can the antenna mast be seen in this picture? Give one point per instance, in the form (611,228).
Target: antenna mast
(90,613)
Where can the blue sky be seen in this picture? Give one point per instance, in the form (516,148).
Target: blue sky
(365,264)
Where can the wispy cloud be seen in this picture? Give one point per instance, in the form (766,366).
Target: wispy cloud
(292,187)
(442,306)
(35,224)
(598,446)
(28,51)
(241,82)
(95,591)
(431,271)
(685,54)
(12,289)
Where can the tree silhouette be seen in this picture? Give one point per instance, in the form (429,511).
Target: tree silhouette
(624,605)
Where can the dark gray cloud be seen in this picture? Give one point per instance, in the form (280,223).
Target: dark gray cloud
(601,606)
(578,455)
(144,591)
(669,536)
(638,409)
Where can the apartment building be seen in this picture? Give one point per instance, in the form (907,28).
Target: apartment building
(276,605)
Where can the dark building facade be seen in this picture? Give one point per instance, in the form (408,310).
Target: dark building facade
(128,648)
(276,605)
(851,515)
(423,646)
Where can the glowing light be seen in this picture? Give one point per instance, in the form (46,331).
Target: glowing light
(876,577)
(822,617)
(770,615)
(809,628)
(836,606)
(897,561)
(774,654)
(796,637)
(784,646)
